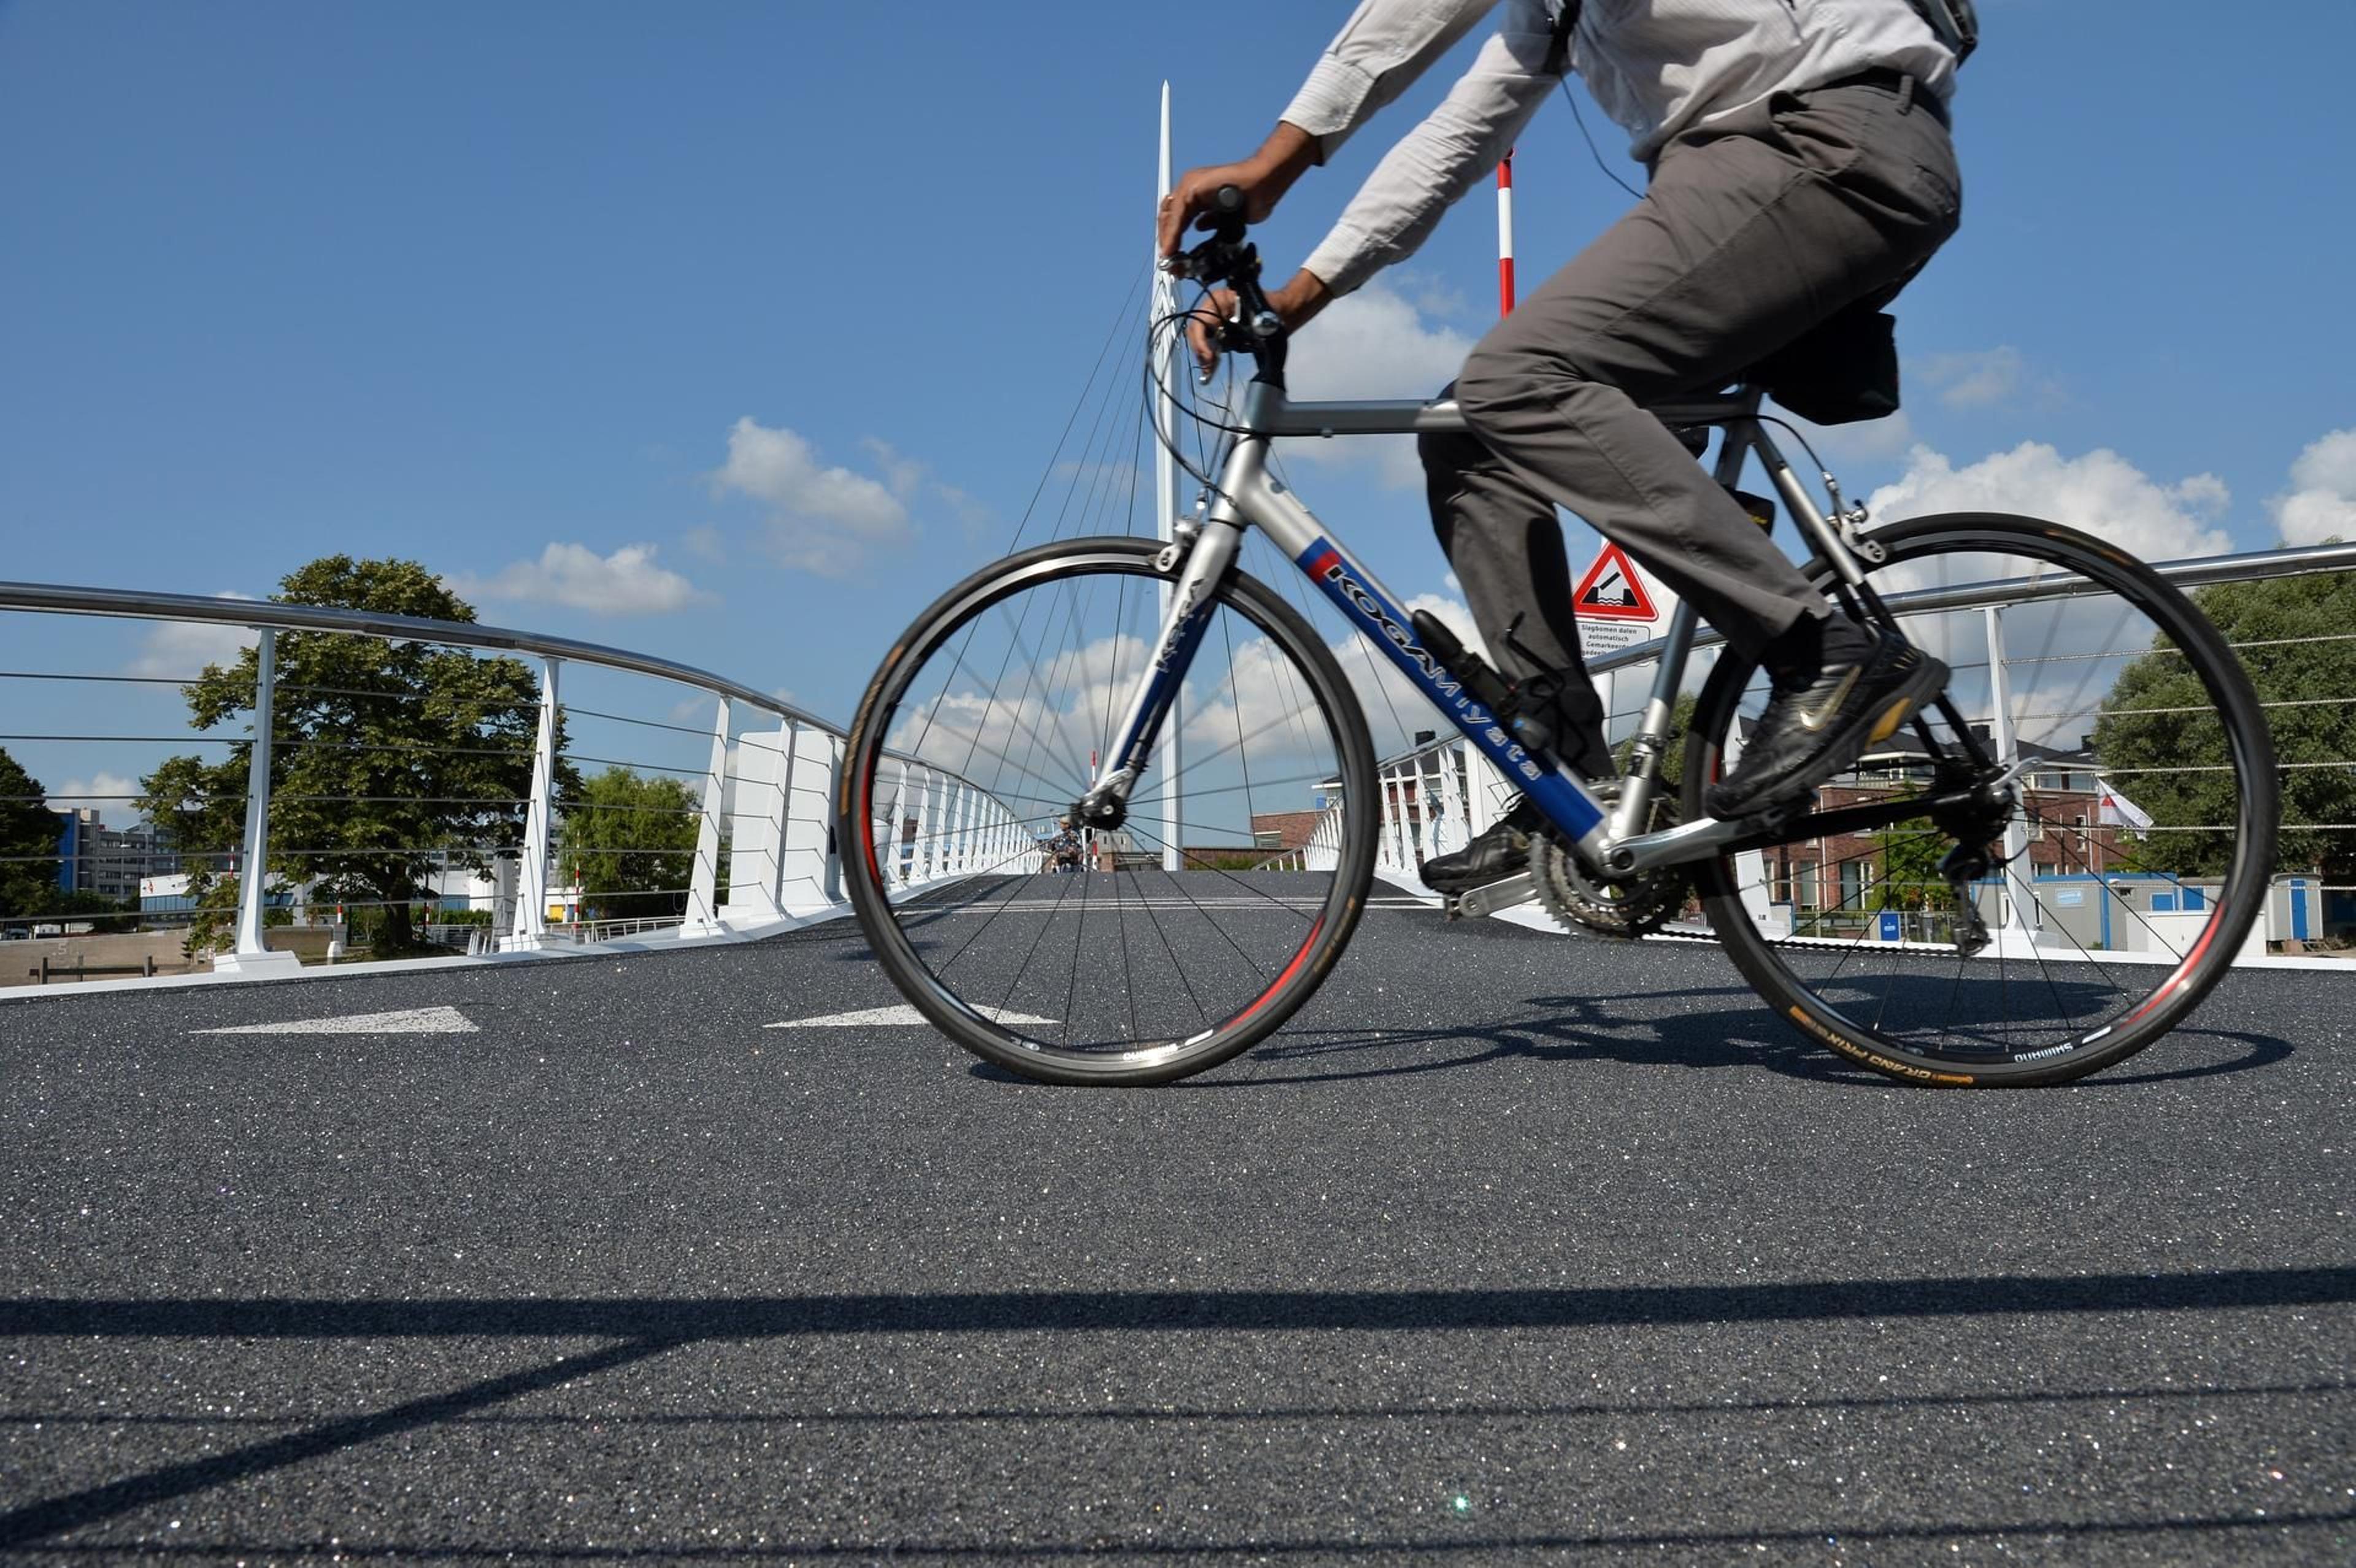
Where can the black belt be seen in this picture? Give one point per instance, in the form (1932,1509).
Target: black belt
(1892,80)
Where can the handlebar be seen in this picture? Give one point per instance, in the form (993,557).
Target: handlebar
(1226,257)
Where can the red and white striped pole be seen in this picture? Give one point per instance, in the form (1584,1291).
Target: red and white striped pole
(1505,235)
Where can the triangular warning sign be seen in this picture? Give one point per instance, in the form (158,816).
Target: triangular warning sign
(1611,590)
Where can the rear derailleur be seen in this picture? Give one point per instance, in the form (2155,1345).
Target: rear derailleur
(1975,823)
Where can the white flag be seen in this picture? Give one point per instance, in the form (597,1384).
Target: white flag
(2118,811)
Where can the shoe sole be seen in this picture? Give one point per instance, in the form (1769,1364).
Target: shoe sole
(1929,678)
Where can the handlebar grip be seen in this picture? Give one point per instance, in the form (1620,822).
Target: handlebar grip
(1227,214)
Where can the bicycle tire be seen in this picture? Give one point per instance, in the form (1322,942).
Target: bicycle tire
(993,1029)
(1979,1054)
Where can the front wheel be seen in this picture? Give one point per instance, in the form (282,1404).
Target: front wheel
(2115,892)
(1132,955)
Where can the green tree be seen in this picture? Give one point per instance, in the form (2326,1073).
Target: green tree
(2292,635)
(1909,853)
(630,841)
(28,842)
(386,757)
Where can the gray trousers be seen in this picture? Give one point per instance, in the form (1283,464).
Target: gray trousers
(1751,232)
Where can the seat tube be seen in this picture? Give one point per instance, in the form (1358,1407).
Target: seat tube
(1632,812)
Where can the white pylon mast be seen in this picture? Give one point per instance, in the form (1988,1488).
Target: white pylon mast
(1168,757)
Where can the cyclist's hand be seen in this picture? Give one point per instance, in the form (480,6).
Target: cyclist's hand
(1190,200)
(1295,304)
(1210,313)
(1263,177)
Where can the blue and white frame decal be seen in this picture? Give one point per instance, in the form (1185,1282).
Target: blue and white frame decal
(1552,787)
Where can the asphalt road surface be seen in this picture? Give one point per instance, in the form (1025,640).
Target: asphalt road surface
(583,1263)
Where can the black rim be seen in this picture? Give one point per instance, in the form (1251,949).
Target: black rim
(1918,1012)
(1223,945)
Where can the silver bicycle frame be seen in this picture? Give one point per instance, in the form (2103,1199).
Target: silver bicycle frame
(1248,497)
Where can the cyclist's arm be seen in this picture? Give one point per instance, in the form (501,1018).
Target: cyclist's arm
(1442,159)
(1384,48)
(1378,54)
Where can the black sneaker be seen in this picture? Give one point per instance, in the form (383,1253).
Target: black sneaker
(1815,727)
(1502,851)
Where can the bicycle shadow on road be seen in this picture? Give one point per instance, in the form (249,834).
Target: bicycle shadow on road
(1589,1028)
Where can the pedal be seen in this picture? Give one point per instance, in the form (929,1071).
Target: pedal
(1496,896)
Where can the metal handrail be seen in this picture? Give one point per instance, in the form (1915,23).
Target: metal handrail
(2193,571)
(791,844)
(137,604)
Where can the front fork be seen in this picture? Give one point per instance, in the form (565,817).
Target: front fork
(1204,569)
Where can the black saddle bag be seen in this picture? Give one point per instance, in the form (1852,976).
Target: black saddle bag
(1841,370)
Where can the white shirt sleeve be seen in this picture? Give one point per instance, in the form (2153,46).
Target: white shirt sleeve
(1380,51)
(1443,158)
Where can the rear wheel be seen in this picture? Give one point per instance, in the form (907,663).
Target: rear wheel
(1133,955)
(2126,704)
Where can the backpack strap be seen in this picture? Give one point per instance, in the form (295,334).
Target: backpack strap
(1566,22)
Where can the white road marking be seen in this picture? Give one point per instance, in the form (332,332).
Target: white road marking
(408,1021)
(902,1014)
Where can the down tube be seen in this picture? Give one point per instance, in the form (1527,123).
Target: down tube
(1553,786)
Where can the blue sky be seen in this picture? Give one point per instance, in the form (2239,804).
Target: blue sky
(734,332)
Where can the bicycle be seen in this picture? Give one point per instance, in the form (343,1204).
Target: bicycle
(2011,993)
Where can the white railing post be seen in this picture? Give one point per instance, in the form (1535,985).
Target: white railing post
(251,951)
(2020,899)
(898,863)
(921,821)
(703,882)
(806,869)
(1391,818)
(833,785)
(756,844)
(529,931)
(1481,810)
(1454,759)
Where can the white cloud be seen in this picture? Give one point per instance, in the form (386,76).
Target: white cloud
(626,582)
(2321,504)
(1976,380)
(1867,440)
(1431,293)
(1451,614)
(180,650)
(821,519)
(103,791)
(1375,342)
(2100,491)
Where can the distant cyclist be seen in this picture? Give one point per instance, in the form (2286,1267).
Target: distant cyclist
(1800,165)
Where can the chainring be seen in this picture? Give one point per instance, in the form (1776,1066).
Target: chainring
(1573,895)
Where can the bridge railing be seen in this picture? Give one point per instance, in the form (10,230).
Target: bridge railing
(742,842)
(1438,795)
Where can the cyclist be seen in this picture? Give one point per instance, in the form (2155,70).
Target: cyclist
(1800,165)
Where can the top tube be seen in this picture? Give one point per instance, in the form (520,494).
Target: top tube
(1268,411)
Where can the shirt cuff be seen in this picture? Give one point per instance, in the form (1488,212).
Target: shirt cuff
(1330,103)
(1345,260)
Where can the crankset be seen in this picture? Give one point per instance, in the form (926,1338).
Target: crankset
(1629,907)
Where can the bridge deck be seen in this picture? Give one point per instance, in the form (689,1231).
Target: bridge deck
(586,1260)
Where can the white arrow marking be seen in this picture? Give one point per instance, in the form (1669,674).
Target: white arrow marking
(902,1014)
(409,1020)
